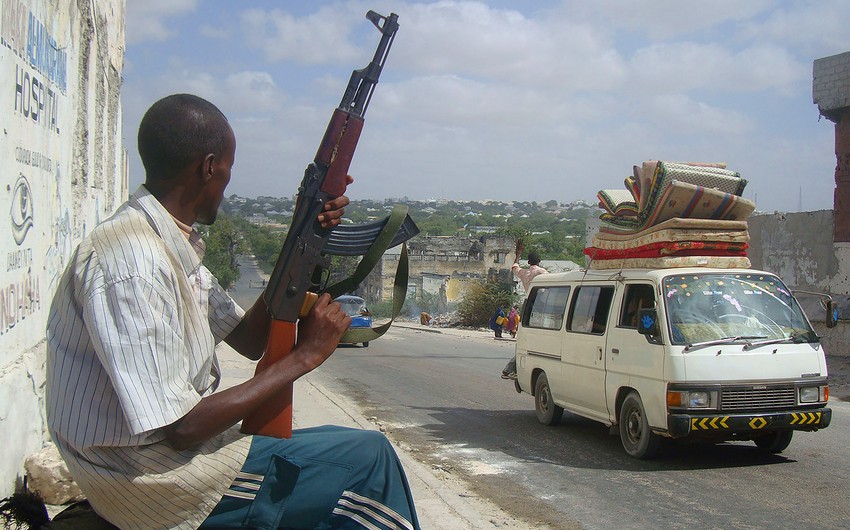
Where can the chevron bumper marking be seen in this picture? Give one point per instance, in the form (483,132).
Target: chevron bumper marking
(805,418)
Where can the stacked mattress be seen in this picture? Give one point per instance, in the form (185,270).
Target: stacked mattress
(674,215)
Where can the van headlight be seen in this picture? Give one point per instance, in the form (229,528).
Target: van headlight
(692,399)
(814,394)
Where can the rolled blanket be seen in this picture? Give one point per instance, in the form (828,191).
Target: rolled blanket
(656,175)
(617,202)
(681,199)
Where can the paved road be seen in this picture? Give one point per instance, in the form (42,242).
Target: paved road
(440,396)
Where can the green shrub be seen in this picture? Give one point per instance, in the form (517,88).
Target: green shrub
(481,299)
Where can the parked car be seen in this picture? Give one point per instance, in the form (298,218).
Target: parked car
(355,307)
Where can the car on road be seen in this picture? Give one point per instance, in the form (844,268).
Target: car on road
(355,307)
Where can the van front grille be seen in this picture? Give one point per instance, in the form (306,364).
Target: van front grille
(748,398)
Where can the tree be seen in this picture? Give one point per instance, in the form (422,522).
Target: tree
(223,244)
(263,243)
(481,299)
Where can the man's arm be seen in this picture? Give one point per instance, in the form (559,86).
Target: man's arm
(318,337)
(518,252)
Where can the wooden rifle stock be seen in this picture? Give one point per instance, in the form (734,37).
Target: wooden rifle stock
(274,418)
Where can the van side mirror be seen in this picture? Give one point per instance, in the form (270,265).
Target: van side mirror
(832,313)
(648,321)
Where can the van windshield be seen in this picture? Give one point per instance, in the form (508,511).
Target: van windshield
(353,307)
(755,307)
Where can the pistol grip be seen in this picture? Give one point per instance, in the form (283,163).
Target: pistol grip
(309,302)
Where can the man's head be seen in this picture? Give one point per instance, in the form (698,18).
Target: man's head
(533,258)
(186,142)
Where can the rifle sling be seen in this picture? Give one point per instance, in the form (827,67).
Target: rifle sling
(370,259)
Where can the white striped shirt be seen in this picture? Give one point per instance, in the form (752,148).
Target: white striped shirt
(132,333)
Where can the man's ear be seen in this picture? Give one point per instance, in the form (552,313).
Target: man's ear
(208,166)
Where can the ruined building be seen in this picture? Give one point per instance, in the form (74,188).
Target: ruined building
(443,265)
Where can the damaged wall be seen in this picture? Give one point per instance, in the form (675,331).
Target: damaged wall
(799,248)
(63,170)
(448,262)
(796,246)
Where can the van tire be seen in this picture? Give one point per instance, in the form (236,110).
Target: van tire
(548,413)
(775,442)
(635,434)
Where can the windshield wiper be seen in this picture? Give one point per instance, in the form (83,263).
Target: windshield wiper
(724,340)
(794,337)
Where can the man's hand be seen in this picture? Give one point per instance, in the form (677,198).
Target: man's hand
(335,208)
(318,337)
(320,331)
(519,249)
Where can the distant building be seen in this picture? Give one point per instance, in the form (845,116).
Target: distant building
(446,265)
(443,265)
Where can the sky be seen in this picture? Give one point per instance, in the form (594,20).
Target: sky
(510,101)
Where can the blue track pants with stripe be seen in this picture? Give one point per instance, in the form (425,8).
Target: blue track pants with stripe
(323,477)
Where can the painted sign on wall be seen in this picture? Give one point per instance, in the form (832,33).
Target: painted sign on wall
(35,47)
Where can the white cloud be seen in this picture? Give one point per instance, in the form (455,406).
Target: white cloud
(473,40)
(662,19)
(147,19)
(818,27)
(313,39)
(677,112)
(688,66)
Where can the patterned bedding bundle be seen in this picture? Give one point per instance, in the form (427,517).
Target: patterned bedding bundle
(674,215)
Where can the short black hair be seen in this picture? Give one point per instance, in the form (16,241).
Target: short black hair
(176,130)
(533,258)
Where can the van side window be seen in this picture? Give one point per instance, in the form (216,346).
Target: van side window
(545,307)
(589,311)
(637,297)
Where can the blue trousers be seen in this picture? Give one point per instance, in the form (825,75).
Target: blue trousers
(323,477)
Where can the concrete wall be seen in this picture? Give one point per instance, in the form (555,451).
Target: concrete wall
(799,248)
(63,170)
(796,246)
(831,83)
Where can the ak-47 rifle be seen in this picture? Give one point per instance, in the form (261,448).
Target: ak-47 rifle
(305,257)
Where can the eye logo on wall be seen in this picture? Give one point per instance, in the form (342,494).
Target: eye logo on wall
(21,210)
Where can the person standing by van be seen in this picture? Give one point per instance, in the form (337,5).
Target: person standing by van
(525,276)
(497,322)
(513,321)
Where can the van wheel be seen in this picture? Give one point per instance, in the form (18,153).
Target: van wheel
(775,442)
(638,439)
(548,413)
